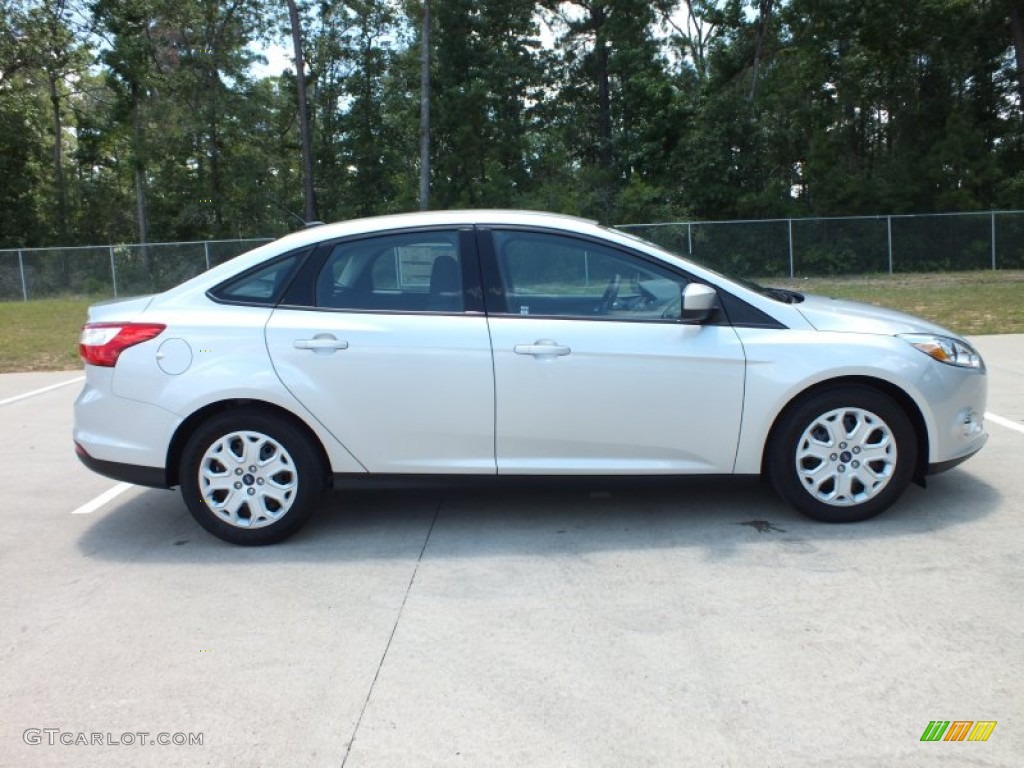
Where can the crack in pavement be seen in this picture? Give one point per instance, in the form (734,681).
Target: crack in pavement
(394,629)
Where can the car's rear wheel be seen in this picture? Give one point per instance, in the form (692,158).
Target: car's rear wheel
(843,454)
(250,478)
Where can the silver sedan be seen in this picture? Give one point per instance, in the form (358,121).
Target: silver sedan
(507,344)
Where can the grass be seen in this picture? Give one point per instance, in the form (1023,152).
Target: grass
(969,303)
(42,335)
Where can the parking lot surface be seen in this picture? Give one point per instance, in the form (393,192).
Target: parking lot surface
(699,623)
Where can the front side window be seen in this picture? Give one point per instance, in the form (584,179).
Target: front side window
(419,272)
(557,275)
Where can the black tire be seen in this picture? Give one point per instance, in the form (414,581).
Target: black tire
(243,506)
(838,486)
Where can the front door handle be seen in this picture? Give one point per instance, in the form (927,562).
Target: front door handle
(322,343)
(542,348)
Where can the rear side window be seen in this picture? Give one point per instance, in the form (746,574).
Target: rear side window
(418,272)
(260,285)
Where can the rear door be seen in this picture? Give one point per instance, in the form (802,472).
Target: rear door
(390,351)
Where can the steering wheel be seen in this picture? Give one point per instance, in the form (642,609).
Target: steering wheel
(611,292)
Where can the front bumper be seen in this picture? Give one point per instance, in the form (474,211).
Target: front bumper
(953,404)
(938,467)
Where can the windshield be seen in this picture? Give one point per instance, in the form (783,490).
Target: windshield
(784,295)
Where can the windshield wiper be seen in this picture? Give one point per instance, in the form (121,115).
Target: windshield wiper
(784,294)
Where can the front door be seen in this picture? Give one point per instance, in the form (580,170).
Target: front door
(594,374)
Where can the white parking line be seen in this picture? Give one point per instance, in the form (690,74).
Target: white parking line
(35,392)
(1005,422)
(103,498)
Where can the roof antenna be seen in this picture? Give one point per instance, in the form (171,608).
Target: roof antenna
(306,224)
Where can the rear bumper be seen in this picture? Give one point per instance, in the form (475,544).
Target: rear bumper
(117,431)
(153,477)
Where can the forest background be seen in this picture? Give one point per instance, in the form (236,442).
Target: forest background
(152,120)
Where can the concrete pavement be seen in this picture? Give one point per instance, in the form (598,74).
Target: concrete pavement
(701,624)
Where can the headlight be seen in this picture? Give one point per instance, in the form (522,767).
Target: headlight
(946,350)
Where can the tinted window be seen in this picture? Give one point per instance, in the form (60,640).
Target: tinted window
(263,285)
(408,272)
(546,274)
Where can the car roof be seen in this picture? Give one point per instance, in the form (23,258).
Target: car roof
(318,232)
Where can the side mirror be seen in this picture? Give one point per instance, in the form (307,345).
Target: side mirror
(698,303)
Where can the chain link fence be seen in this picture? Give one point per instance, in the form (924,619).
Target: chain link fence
(110,270)
(852,245)
(817,247)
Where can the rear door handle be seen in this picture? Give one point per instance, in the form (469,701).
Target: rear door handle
(542,348)
(322,342)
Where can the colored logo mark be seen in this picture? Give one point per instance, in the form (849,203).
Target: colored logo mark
(958,730)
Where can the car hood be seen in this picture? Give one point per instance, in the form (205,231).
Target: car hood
(827,314)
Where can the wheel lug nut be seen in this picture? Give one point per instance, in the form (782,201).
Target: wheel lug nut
(251,491)
(834,456)
(855,464)
(238,485)
(856,449)
(259,481)
(842,467)
(252,467)
(842,446)
(238,471)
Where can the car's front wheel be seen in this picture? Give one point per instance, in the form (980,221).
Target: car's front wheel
(843,455)
(250,478)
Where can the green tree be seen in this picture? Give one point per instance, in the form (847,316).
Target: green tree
(22,132)
(487,74)
(207,71)
(615,101)
(359,145)
(133,35)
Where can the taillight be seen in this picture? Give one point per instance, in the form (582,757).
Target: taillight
(102,343)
